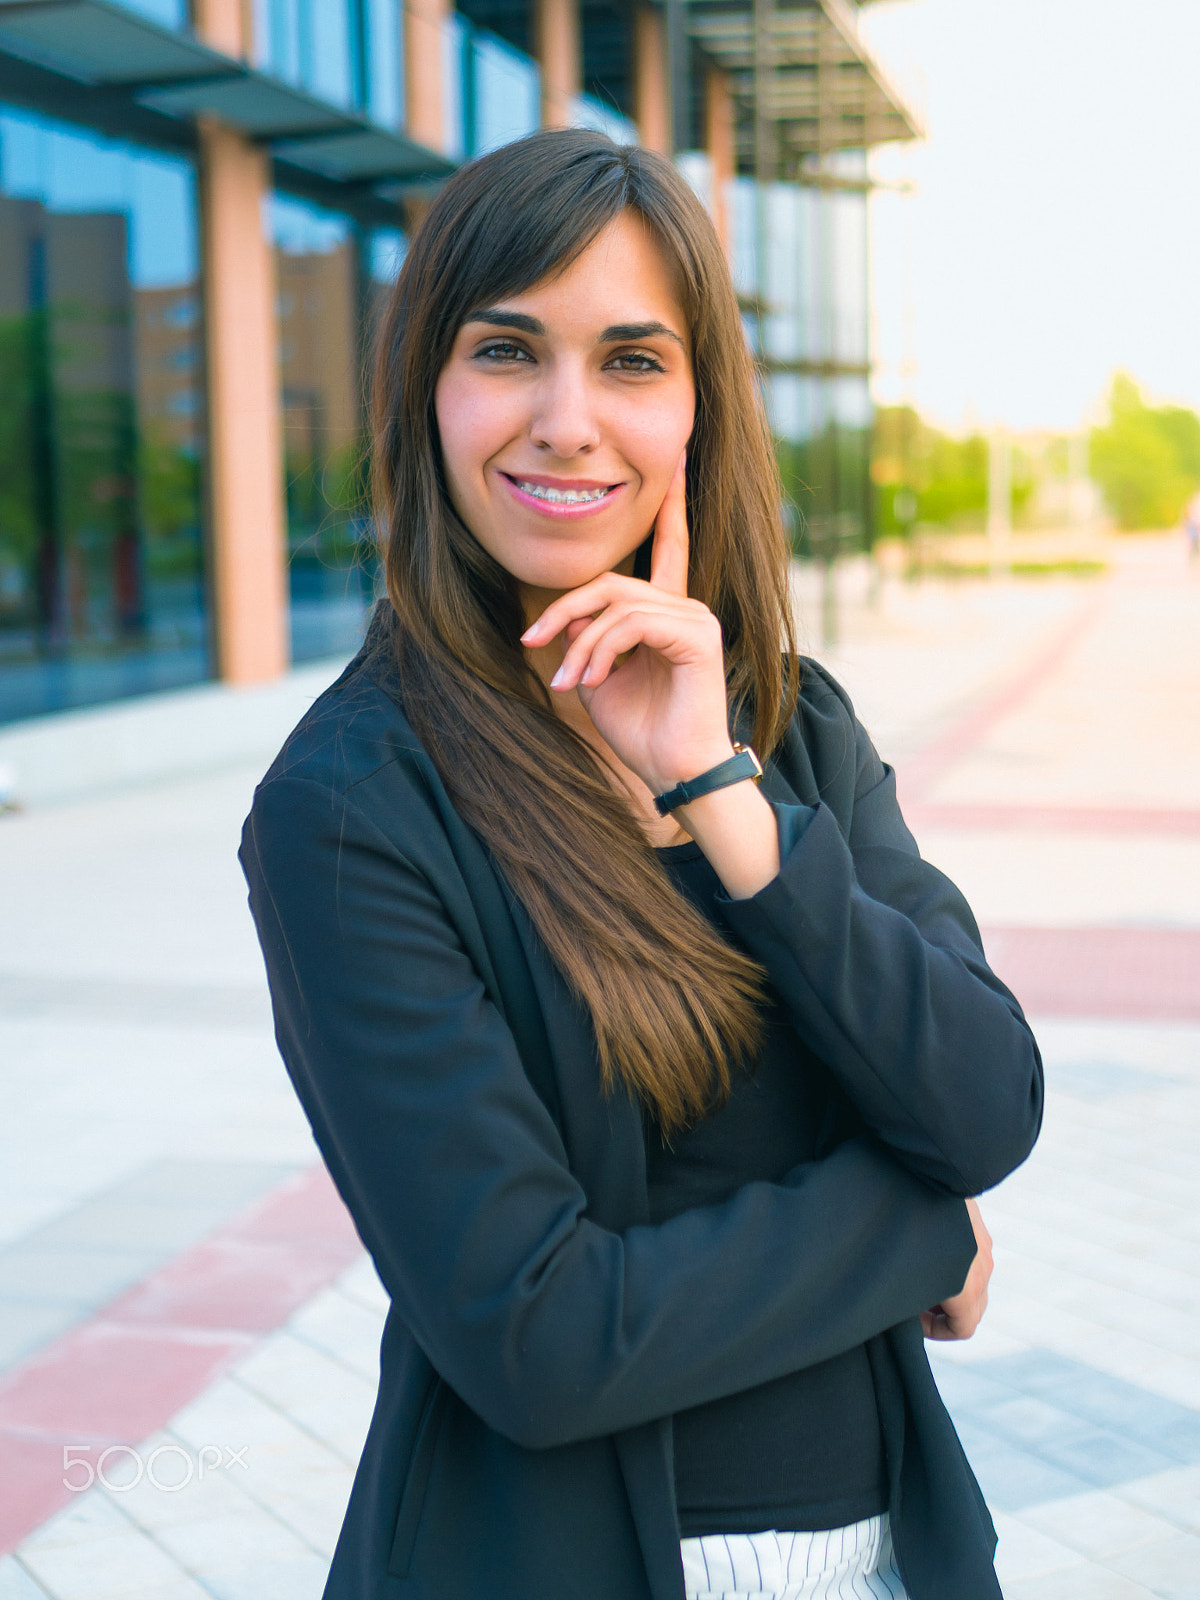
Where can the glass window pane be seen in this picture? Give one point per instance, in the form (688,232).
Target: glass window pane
(170,13)
(800,265)
(385,76)
(848,230)
(328,72)
(102,575)
(309,43)
(507,93)
(321,303)
(456,40)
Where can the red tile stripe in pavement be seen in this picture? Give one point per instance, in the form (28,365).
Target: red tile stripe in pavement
(119,1377)
(1123,820)
(917,775)
(1144,974)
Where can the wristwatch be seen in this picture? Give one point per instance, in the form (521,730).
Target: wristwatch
(741,765)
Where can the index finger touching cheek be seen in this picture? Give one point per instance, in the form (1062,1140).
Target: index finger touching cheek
(669,552)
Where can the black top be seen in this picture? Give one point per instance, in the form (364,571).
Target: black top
(804,1451)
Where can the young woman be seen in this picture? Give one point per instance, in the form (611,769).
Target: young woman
(656,1093)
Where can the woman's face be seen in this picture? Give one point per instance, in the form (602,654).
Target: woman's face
(563,412)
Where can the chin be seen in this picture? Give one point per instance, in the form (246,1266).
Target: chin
(562,569)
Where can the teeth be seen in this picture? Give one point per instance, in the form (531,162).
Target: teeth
(561,497)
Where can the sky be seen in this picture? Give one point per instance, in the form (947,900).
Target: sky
(1053,234)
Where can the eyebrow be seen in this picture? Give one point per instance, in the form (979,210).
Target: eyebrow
(618,333)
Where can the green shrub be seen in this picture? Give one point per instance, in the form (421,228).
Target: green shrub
(1146,459)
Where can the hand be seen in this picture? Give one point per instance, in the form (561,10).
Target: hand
(958,1317)
(648,662)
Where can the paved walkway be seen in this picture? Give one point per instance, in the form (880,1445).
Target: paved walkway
(184,1312)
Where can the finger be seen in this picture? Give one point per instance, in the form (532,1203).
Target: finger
(943,1328)
(669,551)
(982,1237)
(589,658)
(613,643)
(567,638)
(586,601)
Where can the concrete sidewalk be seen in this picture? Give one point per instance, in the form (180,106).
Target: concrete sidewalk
(180,1300)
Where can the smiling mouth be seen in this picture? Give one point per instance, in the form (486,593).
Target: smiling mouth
(561,497)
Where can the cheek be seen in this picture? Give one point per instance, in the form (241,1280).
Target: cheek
(470,425)
(654,438)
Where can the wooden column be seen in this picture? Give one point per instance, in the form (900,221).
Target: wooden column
(245,436)
(719,138)
(224,24)
(652,107)
(244,418)
(559,54)
(424,111)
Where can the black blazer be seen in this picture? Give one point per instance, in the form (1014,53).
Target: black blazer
(542,1332)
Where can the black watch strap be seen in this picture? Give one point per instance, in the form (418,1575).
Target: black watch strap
(740,766)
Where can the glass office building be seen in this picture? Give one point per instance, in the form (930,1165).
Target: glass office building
(181,185)
(102,568)
(329,548)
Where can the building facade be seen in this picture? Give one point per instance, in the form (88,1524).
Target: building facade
(199,212)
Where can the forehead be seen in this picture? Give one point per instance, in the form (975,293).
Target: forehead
(623,276)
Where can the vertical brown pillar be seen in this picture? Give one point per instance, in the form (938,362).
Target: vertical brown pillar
(223,24)
(652,110)
(244,425)
(719,136)
(559,53)
(425,114)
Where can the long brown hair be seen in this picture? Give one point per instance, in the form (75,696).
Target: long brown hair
(671,1001)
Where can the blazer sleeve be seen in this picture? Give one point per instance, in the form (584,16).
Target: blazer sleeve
(879,962)
(549,1326)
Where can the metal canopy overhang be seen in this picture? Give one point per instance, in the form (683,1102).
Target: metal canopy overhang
(802,66)
(99,65)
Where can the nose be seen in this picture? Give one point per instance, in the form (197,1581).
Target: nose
(565,423)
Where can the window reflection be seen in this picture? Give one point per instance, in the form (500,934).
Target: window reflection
(348,52)
(329,276)
(799,267)
(102,588)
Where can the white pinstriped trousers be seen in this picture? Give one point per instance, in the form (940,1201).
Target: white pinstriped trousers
(852,1563)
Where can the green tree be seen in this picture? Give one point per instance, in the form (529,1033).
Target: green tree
(1146,459)
(923,475)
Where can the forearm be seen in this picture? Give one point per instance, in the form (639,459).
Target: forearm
(873,957)
(579,1331)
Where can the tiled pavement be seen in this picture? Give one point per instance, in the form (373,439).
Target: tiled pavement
(154,1141)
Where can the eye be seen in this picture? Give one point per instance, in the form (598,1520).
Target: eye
(502,350)
(636,361)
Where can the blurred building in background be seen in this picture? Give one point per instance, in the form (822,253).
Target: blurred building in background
(199,211)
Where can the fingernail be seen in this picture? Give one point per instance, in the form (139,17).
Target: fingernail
(556,680)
